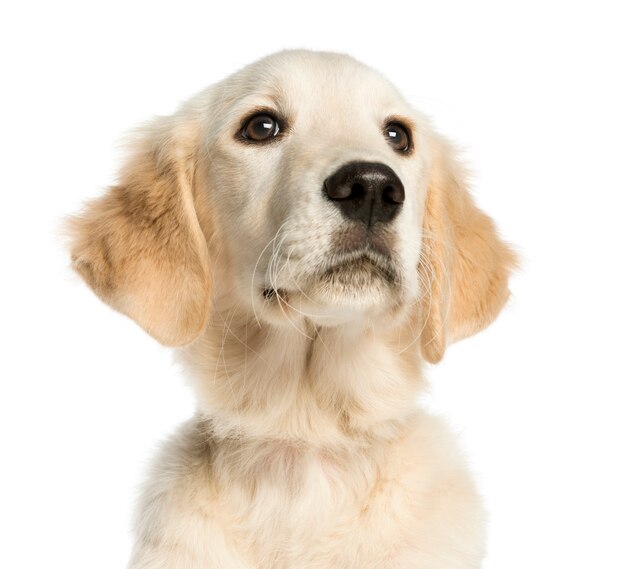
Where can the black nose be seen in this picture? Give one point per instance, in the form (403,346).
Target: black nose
(369,192)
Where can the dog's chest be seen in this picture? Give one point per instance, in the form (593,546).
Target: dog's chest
(284,493)
(304,485)
(307,502)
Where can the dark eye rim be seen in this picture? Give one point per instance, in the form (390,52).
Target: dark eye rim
(281,126)
(403,124)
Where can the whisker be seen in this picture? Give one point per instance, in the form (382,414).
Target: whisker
(256,265)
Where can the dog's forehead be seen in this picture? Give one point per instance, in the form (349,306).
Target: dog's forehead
(317,84)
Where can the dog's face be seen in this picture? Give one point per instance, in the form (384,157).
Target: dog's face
(306,188)
(316,170)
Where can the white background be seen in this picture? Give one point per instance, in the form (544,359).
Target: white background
(536,93)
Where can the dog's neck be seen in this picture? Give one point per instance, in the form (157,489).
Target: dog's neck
(318,385)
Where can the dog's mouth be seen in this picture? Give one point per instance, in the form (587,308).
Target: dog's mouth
(354,274)
(361,260)
(360,266)
(272,293)
(360,270)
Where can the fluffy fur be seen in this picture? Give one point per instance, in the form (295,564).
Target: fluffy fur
(305,346)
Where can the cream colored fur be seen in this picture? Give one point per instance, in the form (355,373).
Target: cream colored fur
(308,449)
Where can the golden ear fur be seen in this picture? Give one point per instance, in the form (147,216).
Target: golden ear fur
(140,246)
(465,266)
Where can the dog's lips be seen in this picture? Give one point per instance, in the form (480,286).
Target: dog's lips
(357,269)
(269,293)
(275,294)
(360,271)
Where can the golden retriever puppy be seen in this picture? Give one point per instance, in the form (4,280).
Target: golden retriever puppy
(306,240)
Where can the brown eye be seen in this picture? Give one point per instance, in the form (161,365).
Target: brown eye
(398,137)
(260,128)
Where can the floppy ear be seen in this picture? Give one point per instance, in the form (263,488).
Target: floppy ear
(464,265)
(140,246)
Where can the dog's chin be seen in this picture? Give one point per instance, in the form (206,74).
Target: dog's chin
(349,290)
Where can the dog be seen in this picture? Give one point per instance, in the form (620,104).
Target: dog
(307,241)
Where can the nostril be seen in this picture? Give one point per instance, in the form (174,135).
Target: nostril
(393,195)
(337,191)
(345,191)
(387,195)
(358,191)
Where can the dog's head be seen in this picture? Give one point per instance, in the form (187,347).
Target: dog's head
(305,188)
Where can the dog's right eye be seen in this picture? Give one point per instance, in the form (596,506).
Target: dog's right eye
(260,128)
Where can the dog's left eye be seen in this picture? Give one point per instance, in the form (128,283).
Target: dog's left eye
(260,128)
(397,136)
